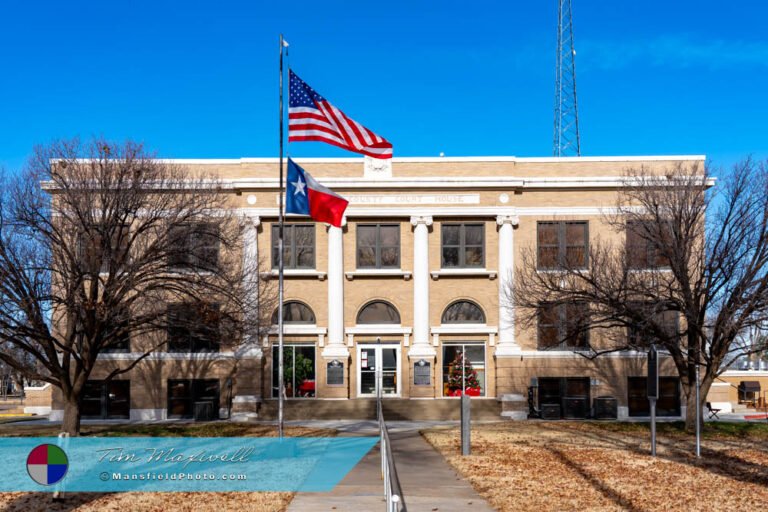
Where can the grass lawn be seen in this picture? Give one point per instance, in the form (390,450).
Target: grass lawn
(537,465)
(155,501)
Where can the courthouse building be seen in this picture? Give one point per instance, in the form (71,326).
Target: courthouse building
(412,285)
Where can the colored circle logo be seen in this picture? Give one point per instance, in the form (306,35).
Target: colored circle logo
(47,464)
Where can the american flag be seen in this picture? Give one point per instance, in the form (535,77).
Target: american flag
(312,117)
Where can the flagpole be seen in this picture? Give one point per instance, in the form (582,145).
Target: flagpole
(281,384)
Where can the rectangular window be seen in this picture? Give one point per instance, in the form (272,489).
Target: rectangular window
(186,395)
(194,247)
(563,326)
(570,395)
(656,327)
(668,403)
(378,246)
(463,369)
(102,400)
(562,244)
(298,371)
(93,252)
(193,327)
(121,336)
(463,245)
(298,246)
(642,252)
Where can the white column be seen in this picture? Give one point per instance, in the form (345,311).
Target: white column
(421,346)
(250,224)
(507,345)
(335,347)
(245,403)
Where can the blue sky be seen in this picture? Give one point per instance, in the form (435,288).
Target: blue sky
(199,79)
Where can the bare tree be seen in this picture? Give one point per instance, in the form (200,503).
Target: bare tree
(754,342)
(682,264)
(95,240)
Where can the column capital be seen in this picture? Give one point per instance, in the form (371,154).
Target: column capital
(250,220)
(514,220)
(421,219)
(343,223)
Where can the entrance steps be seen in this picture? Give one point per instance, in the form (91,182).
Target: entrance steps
(395,409)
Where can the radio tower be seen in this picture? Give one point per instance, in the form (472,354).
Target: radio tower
(566,141)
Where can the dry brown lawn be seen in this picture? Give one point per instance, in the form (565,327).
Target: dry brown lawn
(155,501)
(562,466)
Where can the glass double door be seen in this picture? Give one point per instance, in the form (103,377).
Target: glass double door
(378,367)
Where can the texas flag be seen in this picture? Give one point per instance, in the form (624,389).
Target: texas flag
(305,196)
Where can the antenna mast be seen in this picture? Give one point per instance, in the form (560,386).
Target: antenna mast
(566,139)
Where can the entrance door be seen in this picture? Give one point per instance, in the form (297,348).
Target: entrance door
(378,366)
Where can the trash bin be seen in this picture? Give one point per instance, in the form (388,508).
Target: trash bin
(550,411)
(606,408)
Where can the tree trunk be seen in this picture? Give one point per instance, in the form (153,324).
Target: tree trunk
(690,402)
(71,422)
(690,410)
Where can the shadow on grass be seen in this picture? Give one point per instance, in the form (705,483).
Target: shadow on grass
(675,449)
(43,501)
(212,429)
(595,482)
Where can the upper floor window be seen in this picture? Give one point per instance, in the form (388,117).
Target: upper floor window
(378,246)
(463,245)
(463,312)
(298,246)
(194,246)
(193,327)
(119,331)
(295,312)
(93,251)
(562,244)
(642,245)
(657,325)
(563,326)
(378,312)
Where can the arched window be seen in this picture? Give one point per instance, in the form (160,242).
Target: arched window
(295,312)
(463,312)
(378,312)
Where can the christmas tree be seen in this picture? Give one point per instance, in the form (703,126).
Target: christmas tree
(462,373)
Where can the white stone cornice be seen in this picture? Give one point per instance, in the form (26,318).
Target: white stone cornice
(464,329)
(296,272)
(299,330)
(507,219)
(429,159)
(421,219)
(373,329)
(168,356)
(249,351)
(453,272)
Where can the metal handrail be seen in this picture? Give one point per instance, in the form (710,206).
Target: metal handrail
(392,490)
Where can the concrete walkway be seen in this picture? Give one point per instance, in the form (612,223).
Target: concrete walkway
(428,482)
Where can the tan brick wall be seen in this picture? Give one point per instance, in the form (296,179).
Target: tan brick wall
(149,379)
(38,397)
(507,375)
(513,375)
(735,378)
